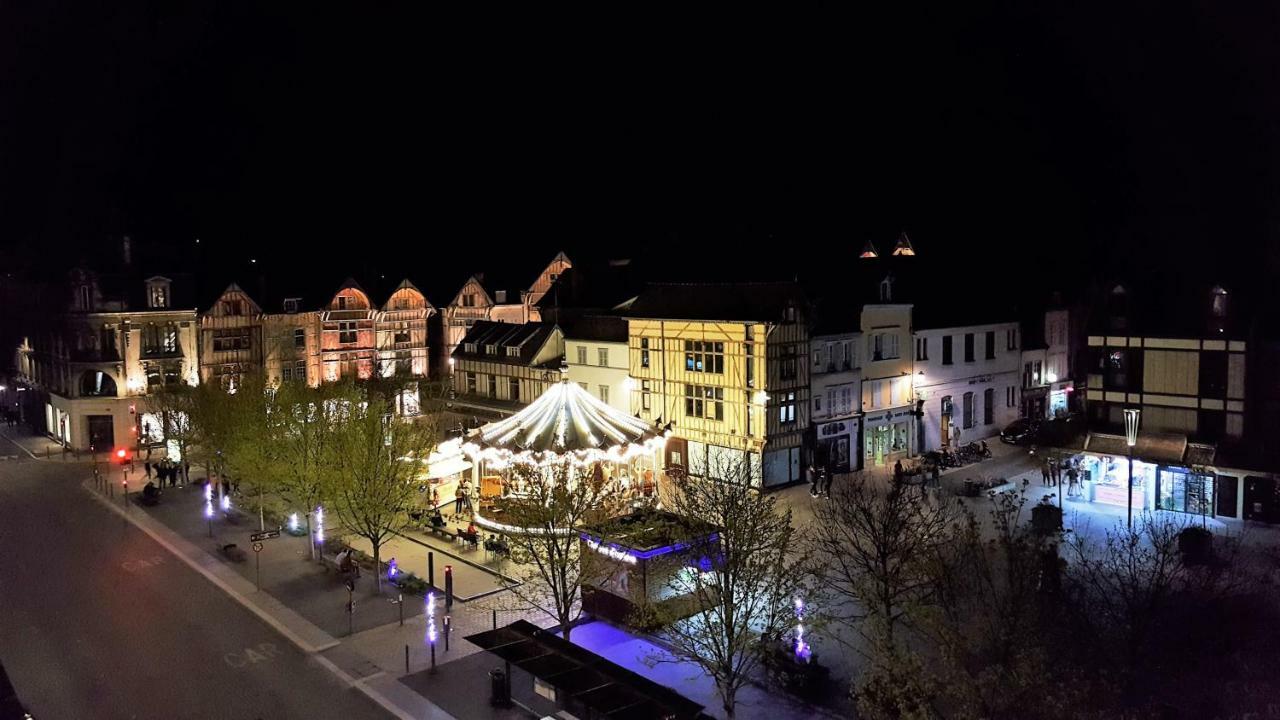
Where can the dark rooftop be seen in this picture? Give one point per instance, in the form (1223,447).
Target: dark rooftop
(528,337)
(735,302)
(601,685)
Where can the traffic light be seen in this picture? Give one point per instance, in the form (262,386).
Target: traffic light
(122,455)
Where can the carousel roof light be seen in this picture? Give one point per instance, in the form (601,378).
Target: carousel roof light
(566,423)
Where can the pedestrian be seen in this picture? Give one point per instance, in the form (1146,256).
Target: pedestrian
(1044,473)
(898,473)
(827,478)
(146,468)
(186,472)
(458,497)
(813,481)
(937,475)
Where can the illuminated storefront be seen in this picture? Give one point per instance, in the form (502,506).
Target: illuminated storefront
(1182,490)
(1155,486)
(1105,478)
(887,436)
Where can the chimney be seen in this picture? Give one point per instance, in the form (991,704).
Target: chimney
(127,247)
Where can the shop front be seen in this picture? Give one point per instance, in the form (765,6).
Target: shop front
(1182,490)
(1060,399)
(1104,478)
(1155,486)
(835,442)
(887,436)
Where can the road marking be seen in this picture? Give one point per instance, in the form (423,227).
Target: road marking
(137,565)
(251,655)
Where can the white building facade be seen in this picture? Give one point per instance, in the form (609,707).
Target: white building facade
(968,381)
(836,380)
(596,352)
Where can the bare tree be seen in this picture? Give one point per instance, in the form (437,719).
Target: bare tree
(1126,580)
(867,546)
(375,459)
(993,620)
(547,503)
(745,598)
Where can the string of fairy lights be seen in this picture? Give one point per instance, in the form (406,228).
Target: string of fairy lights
(565,424)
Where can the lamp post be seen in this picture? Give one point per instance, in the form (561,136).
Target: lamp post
(1131,418)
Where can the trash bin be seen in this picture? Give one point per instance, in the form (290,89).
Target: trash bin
(499,695)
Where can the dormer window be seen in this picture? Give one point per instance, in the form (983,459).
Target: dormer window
(513,352)
(158,293)
(499,296)
(886,290)
(1219,306)
(83,298)
(233,307)
(490,349)
(469,347)
(291,304)
(342,302)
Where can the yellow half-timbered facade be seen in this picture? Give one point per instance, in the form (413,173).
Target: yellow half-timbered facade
(728,364)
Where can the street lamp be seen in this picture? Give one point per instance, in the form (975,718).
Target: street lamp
(1131,418)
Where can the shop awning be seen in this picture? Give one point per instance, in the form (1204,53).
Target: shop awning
(607,689)
(1158,447)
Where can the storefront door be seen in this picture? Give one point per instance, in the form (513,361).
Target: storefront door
(102,432)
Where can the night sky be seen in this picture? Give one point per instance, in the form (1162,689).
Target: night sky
(1035,137)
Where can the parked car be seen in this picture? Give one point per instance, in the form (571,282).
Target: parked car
(1020,432)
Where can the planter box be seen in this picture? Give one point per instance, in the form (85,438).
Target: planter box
(1046,519)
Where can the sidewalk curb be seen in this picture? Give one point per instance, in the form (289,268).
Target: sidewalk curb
(19,445)
(307,648)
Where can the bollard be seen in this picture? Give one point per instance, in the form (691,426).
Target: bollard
(400,601)
(448,588)
(433,658)
(406,659)
(446,633)
(495,619)
(431,569)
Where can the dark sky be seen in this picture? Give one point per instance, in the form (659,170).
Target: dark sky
(1035,133)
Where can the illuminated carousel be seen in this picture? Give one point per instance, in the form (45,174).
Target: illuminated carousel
(566,428)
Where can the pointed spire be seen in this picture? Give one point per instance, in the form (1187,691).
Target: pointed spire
(903,247)
(869,251)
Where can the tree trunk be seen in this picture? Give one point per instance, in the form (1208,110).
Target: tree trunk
(377,565)
(565,628)
(729,702)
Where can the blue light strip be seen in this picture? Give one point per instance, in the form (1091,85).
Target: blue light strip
(645,554)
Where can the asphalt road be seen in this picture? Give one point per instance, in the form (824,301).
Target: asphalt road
(99,621)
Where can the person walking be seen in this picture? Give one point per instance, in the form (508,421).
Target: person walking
(146,468)
(1044,473)
(186,473)
(898,473)
(813,481)
(458,496)
(827,478)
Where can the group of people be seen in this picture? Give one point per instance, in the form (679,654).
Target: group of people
(347,563)
(167,470)
(1052,472)
(820,481)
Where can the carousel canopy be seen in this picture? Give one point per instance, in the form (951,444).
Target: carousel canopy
(565,420)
